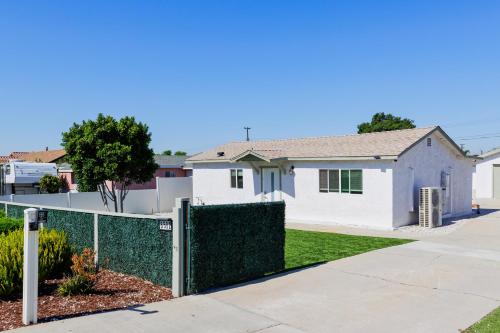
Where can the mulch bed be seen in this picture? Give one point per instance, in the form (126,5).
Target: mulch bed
(113,291)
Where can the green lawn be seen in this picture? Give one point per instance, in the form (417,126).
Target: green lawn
(489,324)
(304,248)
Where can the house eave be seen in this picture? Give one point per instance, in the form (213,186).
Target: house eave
(305,159)
(209,161)
(344,158)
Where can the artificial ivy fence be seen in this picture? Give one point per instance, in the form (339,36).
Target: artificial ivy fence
(78,226)
(136,246)
(126,244)
(233,243)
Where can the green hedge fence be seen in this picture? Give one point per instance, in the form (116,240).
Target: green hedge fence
(126,244)
(233,243)
(78,226)
(136,246)
(227,243)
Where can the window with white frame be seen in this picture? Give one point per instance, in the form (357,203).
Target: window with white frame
(236,178)
(341,181)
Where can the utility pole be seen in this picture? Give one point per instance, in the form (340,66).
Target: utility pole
(247,129)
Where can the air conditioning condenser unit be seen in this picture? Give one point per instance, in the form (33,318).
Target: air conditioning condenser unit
(430,207)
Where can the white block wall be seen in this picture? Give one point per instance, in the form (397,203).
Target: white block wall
(136,201)
(170,188)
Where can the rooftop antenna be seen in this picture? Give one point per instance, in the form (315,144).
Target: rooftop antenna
(247,129)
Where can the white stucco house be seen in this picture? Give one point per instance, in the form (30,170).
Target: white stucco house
(367,180)
(486,177)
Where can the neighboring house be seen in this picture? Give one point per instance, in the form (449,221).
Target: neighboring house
(169,166)
(366,180)
(486,177)
(65,172)
(44,156)
(20,172)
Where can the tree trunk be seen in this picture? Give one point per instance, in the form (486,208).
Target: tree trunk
(102,191)
(114,196)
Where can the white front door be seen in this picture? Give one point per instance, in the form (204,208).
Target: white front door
(271,184)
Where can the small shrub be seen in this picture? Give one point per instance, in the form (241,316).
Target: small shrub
(84,264)
(54,258)
(8,224)
(54,255)
(50,184)
(76,285)
(84,276)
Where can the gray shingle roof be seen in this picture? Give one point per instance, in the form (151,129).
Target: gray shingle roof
(490,153)
(392,143)
(171,161)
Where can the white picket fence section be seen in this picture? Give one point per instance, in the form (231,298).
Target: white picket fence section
(159,200)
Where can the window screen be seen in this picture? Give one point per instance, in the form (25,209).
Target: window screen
(344,181)
(233,178)
(356,181)
(333,180)
(323,180)
(240,178)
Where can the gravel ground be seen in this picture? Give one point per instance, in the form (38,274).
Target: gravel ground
(447,227)
(113,291)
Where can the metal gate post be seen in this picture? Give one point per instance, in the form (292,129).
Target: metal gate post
(178,248)
(185,204)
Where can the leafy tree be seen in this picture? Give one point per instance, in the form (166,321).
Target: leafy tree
(385,122)
(50,184)
(180,153)
(177,153)
(109,155)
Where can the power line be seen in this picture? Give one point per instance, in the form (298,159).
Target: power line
(479,135)
(479,138)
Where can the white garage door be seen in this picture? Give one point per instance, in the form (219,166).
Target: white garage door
(496,181)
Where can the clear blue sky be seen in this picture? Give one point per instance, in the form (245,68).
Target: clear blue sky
(197,72)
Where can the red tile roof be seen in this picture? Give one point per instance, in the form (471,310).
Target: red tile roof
(45,156)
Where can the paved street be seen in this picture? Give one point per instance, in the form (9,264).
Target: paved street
(440,284)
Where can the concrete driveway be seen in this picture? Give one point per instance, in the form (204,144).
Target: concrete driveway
(439,284)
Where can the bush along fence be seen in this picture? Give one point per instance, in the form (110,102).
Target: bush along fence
(192,249)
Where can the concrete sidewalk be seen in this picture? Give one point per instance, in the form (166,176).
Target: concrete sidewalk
(441,284)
